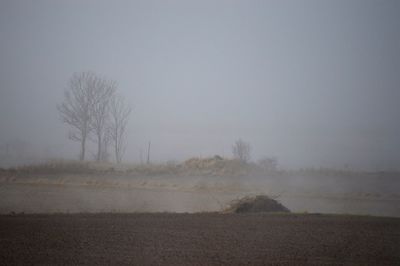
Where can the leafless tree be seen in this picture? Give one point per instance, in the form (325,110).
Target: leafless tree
(103,93)
(269,164)
(105,155)
(241,150)
(119,112)
(76,108)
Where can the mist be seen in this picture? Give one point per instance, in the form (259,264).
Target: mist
(208,132)
(313,83)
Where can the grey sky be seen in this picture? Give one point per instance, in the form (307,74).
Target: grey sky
(315,83)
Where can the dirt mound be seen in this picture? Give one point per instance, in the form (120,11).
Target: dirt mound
(215,166)
(259,203)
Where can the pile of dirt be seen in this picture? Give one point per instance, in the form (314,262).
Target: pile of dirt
(215,166)
(259,203)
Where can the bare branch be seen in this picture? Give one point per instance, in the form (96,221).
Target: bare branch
(120,112)
(103,93)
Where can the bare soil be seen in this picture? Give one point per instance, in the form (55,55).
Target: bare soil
(198,239)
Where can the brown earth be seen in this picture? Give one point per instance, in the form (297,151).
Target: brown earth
(198,239)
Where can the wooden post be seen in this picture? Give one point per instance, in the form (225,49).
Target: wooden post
(148,153)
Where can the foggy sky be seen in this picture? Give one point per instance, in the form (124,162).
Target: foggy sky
(314,83)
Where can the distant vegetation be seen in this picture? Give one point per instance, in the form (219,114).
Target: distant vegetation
(242,151)
(212,166)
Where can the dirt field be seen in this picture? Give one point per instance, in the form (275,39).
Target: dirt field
(363,195)
(198,239)
(201,237)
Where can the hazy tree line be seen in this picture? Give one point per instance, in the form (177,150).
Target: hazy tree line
(94,111)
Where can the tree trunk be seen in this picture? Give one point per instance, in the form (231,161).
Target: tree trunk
(117,154)
(99,148)
(117,157)
(83,145)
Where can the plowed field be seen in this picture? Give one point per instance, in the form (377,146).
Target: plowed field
(198,239)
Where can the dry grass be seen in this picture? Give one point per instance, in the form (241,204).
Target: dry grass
(215,166)
(55,167)
(212,166)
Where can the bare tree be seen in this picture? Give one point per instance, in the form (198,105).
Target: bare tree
(269,164)
(76,108)
(103,93)
(120,112)
(241,150)
(105,155)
